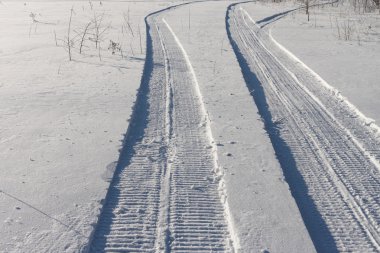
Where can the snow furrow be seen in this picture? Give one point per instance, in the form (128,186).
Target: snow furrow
(334,181)
(190,140)
(360,127)
(165,194)
(130,215)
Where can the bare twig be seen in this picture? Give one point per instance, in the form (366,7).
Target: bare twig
(55,37)
(140,39)
(132,49)
(100,56)
(99,30)
(83,36)
(69,42)
(221,48)
(127,23)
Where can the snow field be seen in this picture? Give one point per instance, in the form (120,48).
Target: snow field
(195,170)
(62,123)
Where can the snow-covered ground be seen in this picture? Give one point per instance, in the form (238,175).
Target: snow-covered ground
(350,65)
(323,142)
(258,198)
(63,125)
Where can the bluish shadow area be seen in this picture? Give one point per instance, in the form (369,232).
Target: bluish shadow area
(134,134)
(273,18)
(316,226)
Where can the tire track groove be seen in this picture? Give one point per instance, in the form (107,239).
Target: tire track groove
(165,194)
(329,173)
(192,222)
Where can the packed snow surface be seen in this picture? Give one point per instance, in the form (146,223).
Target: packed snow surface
(181,127)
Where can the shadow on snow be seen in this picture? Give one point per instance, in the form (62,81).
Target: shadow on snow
(316,226)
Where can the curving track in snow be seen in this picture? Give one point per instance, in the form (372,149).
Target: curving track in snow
(165,195)
(329,158)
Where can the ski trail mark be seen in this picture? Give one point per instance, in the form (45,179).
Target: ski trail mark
(333,179)
(166,193)
(354,110)
(197,215)
(128,221)
(234,240)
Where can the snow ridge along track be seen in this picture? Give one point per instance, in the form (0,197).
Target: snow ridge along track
(165,194)
(328,159)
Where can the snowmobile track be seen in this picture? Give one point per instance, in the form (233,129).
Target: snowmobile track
(165,195)
(330,159)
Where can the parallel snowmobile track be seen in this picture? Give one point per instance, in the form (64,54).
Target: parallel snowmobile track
(165,195)
(329,158)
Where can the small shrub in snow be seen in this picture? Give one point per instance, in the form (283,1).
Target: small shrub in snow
(115,47)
